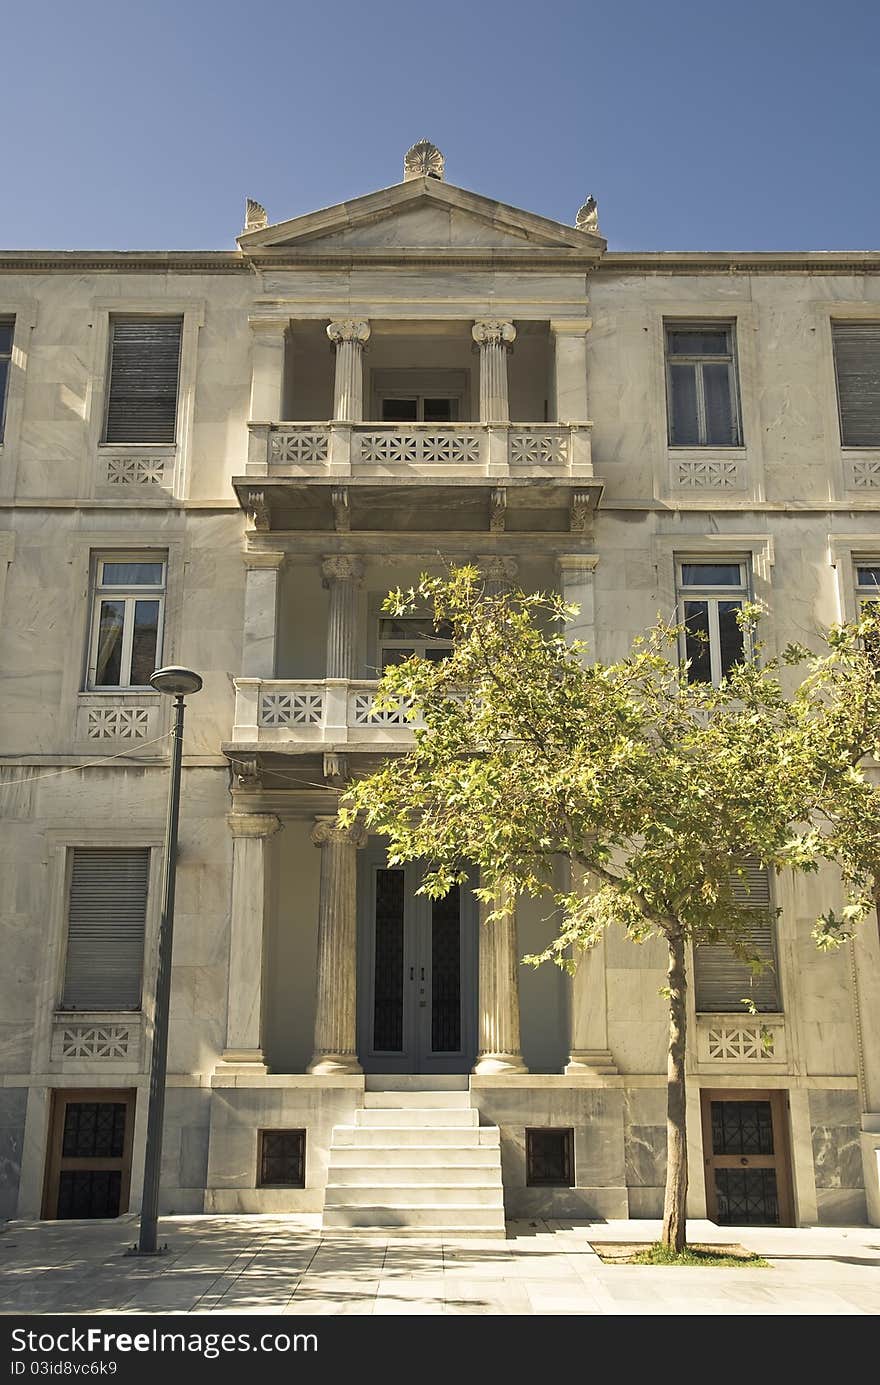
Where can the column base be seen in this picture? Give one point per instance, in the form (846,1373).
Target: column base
(242,1061)
(591,1062)
(332,1064)
(489,1063)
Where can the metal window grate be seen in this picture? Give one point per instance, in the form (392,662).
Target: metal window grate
(550,1157)
(144,369)
(282,1159)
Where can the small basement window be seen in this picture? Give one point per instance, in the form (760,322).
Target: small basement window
(550,1158)
(282,1159)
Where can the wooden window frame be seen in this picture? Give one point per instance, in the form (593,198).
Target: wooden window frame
(712,595)
(566,1132)
(728,358)
(779,1109)
(55,1161)
(261,1140)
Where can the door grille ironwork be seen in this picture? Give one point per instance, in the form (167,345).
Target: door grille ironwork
(388,960)
(446,973)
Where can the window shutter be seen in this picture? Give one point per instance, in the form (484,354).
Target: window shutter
(857,362)
(105,934)
(144,366)
(721,980)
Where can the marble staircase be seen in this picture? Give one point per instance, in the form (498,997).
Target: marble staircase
(415,1162)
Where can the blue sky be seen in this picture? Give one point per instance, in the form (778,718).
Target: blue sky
(697,125)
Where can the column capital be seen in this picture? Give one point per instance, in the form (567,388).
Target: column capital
(576,563)
(497,569)
(570,327)
(349,329)
(253,824)
(263,558)
(327,830)
(341,567)
(492,331)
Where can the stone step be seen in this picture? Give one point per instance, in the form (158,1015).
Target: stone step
(418,1082)
(401,1137)
(459,1101)
(402,1197)
(427,1221)
(376,1175)
(412,1156)
(416,1117)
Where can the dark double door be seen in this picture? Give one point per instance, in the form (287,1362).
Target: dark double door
(417,973)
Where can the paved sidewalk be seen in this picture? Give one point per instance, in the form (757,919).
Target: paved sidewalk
(279,1264)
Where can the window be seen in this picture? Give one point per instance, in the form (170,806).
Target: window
(402,636)
(126,637)
(721,980)
(710,594)
(702,396)
(107,912)
(419,408)
(7,327)
(282,1159)
(550,1158)
(868,595)
(144,367)
(857,368)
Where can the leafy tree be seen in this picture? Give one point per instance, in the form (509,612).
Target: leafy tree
(658,789)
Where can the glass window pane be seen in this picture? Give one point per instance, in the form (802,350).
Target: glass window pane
(406,627)
(721,429)
(435,654)
(711,575)
(108,664)
(6,330)
(439,410)
(4,372)
(696,641)
(732,641)
(698,341)
(869,577)
(395,656)
(684,430)
(143,644)
(131,575)
(400,410)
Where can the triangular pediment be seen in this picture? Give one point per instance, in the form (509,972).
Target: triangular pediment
(422,215)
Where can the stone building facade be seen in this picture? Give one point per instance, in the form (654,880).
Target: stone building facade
(225,459)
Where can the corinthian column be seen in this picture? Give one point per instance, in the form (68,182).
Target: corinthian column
(342,575)
(335,1016)
(498,573)
(495,339)
(499,1041)
(349,336)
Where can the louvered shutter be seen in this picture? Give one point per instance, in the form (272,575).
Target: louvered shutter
(721,980)
(144,366)
(857,362)
(105,933)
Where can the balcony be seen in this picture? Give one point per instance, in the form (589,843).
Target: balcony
(525,477)
(299,715)
(419,449)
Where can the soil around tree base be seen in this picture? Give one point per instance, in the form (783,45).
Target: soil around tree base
(653,1253)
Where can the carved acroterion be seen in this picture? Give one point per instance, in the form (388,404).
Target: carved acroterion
(424,160)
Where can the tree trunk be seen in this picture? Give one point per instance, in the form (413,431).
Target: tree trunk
(675,1202)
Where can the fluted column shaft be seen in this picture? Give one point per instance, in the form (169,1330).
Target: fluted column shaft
(495,339)
(245,991)
(342,576)
(499,1039)
(349,336)
(336,1013)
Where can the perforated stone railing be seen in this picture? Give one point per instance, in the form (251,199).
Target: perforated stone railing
(741,1039)
(334,711)
(315,449)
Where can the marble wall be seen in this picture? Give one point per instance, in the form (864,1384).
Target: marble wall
(837,1157)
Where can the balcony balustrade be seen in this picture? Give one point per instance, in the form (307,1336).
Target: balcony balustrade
(299,713)
(319,450)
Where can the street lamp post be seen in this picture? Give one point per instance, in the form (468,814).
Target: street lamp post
(176,683)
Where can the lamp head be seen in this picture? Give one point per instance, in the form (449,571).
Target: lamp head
(175,682)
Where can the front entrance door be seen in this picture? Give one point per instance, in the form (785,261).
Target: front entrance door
(417,973)
(745,1149)
(89,1165)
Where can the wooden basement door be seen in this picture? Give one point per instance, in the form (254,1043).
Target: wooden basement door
(88,1169)
(746,1156)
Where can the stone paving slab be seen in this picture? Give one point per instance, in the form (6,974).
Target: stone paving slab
(275,1264)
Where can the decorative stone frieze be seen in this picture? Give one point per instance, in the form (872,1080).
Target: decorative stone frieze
(117,723)
(708,475)
(134,471)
